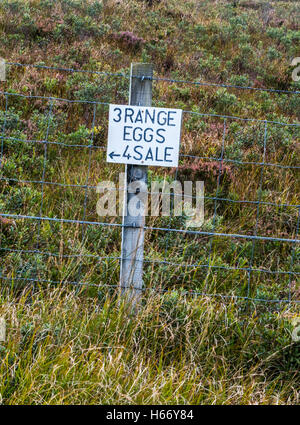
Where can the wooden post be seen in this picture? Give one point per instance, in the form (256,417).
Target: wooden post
(2,70)
(132,251)
(2,329)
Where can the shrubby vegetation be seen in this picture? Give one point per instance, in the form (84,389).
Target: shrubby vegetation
(216,352)
(68,348)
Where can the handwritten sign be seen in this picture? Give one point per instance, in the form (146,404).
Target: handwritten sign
(144,135)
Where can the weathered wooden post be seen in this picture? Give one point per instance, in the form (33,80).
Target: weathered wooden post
(2,70)
(132,251)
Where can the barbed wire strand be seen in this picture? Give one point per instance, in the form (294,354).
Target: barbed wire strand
(181,231)
(164,79)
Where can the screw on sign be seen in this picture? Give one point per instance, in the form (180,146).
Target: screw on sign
(144,135)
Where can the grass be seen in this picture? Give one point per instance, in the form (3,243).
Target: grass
(65,347)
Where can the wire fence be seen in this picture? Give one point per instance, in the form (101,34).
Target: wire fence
(247,248)
(169,80)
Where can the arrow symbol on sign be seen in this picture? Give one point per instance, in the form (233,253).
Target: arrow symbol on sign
(112,154)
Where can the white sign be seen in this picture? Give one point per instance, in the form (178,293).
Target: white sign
(143,135)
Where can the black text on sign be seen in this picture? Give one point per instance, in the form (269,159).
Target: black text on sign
(144,135)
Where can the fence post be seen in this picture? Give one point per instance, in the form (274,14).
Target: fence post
(132,251)
(2,70)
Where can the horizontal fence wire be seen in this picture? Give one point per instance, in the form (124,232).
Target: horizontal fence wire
(154,290)
(164,229)
(209,265)
(168,80)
